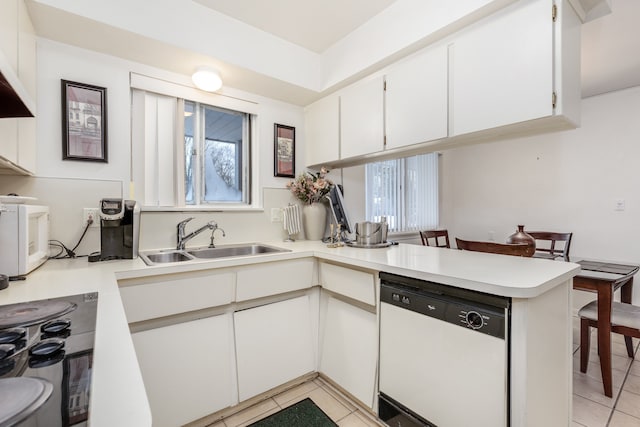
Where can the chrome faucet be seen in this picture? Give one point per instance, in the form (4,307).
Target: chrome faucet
(211,245)
(182,238)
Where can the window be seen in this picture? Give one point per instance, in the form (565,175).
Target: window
(187,153)
(405,191)
(216,145)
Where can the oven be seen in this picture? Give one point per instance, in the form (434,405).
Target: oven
(444,355)
(46,358)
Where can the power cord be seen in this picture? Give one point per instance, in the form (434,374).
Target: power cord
(65,252)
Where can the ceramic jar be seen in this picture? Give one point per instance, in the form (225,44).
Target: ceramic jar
(521,236)
(314,220)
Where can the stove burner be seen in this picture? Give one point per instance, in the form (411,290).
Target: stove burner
(31,313)
(24,396)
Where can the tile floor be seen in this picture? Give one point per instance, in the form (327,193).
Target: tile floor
(591,408)
(339,408)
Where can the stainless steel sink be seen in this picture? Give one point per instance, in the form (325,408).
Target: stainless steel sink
(152,258)
(165,256)
(231,251)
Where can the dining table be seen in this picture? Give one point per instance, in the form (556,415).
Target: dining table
(604,278)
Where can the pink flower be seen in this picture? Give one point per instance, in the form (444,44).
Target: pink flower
(309,187)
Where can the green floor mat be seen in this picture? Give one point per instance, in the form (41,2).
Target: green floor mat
(304,413)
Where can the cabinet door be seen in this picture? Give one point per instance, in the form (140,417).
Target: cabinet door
(188,369)
(362,118)
(9,32)
(322,138)
(416,99)
(350,348)
(273,345)
(501,69)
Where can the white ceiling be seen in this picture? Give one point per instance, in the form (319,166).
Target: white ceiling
(610,45)
(314,25)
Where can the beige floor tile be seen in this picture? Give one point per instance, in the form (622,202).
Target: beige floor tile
(592,389)
(632,384)
(302,389)
(329,404)
(589,413)
(255,412)
(259,417)
(352,420)
(618,363)
(351,406)
(575,424)
(218,424)
(620,419)
(635,367)
(629,403)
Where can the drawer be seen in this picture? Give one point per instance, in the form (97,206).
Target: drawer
(355,284)
(174,294)
(274,278)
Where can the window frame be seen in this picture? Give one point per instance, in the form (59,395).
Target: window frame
(141,84)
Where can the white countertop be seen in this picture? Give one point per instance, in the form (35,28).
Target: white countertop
(118,396)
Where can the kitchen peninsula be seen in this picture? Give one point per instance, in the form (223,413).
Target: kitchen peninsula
(540,293)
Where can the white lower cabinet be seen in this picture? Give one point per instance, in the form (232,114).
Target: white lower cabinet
(349,343)
(273,345)
(188,369)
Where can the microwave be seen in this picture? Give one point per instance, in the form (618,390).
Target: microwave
(24,238)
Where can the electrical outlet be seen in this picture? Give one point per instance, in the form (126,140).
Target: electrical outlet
(91,213)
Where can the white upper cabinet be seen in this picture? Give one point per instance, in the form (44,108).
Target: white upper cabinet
(502,69)
(362,118)
(323,131)
(18,65)
(416,99)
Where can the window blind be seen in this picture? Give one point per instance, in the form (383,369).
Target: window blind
(405,191)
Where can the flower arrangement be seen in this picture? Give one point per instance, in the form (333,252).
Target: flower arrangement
(311,188)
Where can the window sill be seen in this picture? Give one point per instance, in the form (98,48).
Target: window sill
(201,209)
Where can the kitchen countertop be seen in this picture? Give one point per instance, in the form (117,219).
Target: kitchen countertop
(118,396)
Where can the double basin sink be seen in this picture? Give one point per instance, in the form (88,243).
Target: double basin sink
(165,256)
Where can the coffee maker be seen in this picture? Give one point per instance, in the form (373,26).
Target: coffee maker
(119,230)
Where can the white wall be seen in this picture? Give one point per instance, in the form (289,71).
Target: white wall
(59,61)
(565,181)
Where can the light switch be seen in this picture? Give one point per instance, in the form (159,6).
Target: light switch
(276,215)
(620,205)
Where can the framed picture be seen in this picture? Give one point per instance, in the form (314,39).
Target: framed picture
(285,151)
(76,384)
(84,122)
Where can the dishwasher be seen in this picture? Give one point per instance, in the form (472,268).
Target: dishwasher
(444,355)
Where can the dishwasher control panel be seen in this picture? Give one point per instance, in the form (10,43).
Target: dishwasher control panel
(467,309)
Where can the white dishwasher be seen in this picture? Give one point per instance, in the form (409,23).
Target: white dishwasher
(444,355)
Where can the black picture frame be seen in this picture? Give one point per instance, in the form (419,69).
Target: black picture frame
(76,388)
(284,153)
(84,122)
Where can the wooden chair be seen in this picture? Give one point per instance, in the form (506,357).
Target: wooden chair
(625,320)
(546,244)
(435,235)
(516,249)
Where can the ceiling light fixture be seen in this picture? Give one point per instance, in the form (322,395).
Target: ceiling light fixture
(207,79)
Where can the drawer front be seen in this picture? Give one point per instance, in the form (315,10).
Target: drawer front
(274,278)
(355,284)
(174,294)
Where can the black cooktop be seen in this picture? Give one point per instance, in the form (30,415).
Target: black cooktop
(46,358)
